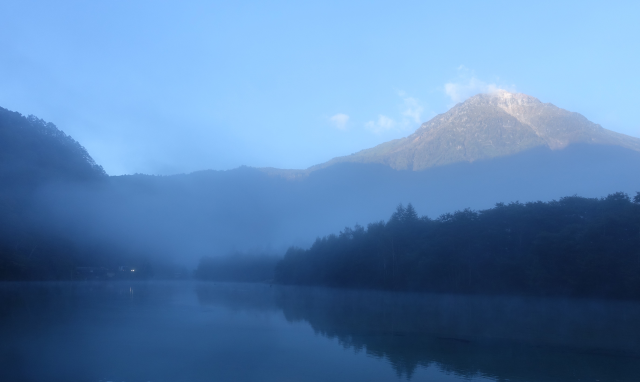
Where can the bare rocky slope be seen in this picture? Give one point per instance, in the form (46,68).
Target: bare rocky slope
(488,126)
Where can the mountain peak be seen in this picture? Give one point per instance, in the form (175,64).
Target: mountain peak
(485,126)
(502,98)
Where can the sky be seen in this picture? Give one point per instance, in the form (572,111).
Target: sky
(175,87)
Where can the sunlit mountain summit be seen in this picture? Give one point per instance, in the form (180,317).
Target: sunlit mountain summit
(488,126)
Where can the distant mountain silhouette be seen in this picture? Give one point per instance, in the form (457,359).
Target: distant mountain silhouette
(488,126)
(209,213)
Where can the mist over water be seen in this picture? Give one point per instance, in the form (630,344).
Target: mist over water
(186,331)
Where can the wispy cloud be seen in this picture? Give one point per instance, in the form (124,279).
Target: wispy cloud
(410,117)
(382,125)
(468,85)
(412,108)
(339,121)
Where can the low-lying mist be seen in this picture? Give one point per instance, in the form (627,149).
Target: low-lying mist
(183,218)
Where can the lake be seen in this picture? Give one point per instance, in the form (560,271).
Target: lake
(197,331)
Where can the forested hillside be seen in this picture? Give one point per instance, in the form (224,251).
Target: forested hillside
(33,151)
(574,246)
(34,154)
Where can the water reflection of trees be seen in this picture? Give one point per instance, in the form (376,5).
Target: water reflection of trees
(506,338)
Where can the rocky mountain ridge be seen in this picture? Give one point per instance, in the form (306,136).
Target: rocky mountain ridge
(487,126)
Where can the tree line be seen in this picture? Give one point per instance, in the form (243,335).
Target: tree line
(574,246)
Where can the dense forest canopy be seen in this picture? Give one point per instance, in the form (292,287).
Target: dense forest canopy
(573,246)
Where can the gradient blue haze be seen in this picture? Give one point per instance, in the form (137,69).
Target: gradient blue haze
(171,87)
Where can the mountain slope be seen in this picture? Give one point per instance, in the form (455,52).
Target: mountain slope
(488,126)
(33,151)
(35,155)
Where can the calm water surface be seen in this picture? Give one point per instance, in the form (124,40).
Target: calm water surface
(188,331)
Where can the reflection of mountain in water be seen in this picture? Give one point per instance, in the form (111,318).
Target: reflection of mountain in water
(506,338)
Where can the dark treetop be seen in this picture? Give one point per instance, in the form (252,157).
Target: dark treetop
(574,246)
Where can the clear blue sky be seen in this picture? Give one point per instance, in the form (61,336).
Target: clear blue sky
(169,87)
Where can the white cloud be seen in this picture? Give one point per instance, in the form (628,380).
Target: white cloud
(383,124)
(460,91)
(340,121)
(412,109)
(409,118)
(468,85)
